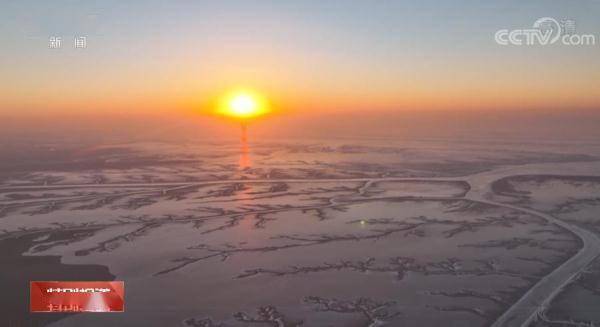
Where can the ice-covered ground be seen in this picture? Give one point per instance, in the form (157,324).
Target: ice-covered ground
(313,234)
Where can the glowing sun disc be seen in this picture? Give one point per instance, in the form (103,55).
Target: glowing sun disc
(242,105)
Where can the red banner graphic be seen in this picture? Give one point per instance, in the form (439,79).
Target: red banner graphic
(70,296)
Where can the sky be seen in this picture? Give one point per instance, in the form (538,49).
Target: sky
(305,56)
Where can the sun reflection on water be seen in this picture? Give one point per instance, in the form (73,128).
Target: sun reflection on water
(244,161)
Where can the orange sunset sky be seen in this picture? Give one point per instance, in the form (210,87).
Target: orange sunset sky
(304,56)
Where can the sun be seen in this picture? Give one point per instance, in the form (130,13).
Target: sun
(242,105)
